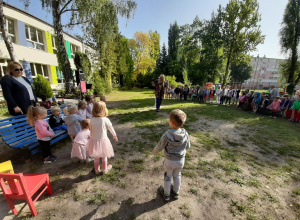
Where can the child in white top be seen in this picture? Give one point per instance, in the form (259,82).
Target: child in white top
(90,102)
(99,145)
(79,149)
(72,120)
(82,109)
(44,133)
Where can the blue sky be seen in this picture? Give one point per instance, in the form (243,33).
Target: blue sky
(159,14)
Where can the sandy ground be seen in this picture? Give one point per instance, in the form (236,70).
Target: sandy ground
(135,195)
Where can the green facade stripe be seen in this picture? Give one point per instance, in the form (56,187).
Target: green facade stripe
(68,45)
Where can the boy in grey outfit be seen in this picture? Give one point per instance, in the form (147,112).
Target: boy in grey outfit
(174,142)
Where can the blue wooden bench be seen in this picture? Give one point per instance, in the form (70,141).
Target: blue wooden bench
(18,134)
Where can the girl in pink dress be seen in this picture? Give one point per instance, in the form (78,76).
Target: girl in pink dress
(99,145)
(79,149)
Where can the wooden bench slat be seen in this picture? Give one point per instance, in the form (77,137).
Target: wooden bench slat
(21,137)
(13,126)
(17,134)
(15,130)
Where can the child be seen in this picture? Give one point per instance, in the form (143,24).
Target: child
(194,95)
(172,92)
(175,142)
(73,120)
(201,94)
(99,145)
(80,149)
(265,103)
(103,98)
(288,111)
(82,105)
(296,108)
(242,100)
(168,90)
(211,95)
(218,91)
(256,101)
(275,107)
(228,96)
(56,121)
(90,100)
(222,96)
(284,104)
(36,116)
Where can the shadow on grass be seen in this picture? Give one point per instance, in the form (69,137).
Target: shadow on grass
(129,210)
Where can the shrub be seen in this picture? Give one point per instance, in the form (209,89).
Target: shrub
(101,85)
(42,88)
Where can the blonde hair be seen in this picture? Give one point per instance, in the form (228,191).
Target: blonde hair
(70,109)
(162,76)
(85,123)
(81,104)
(33,112)
(99,109)
(11,66)
(178,117)
(55,108)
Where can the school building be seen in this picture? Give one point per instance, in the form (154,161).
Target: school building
(265,73)
(34,44)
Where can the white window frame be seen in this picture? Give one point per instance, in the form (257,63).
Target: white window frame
(54,44)
(73,52)
(36,73)
(35,43)
(59,80)
(10,35)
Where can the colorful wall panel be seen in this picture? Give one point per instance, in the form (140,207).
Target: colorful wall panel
(68,45)
(22,33)
(49,42)
(54,76)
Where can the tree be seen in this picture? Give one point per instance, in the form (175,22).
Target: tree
(240,72)
(289,38)
(82,12)
(240,30)
(144,50)
(124,61)
(82,62)
(173,41)
(285,70)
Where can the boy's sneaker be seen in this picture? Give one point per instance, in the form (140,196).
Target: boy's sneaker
(49,160)
(175,194)
(162,192)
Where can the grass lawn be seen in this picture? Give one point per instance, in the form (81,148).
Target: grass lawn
(240,165)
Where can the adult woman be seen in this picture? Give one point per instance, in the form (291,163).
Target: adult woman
(159,91)
(17,90)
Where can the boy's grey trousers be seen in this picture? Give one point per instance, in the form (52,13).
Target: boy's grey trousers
(172,168)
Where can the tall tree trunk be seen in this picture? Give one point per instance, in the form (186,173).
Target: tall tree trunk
(227,68)
(4,31)
(295,45)
(62,57)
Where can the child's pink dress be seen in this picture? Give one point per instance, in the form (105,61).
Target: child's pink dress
(99,145)
(80,149)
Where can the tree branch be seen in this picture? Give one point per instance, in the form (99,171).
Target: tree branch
(69,10)
(73,24)
(63,8)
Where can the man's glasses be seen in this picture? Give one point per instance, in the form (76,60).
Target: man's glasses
(19,69)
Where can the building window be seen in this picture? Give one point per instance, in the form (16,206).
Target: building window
(39,69)
(34,38)
(60,76)
(74,49)
(54,42)
(10,25)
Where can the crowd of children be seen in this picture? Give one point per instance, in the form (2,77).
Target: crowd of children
(86,124)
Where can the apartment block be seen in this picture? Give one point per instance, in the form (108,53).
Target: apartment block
(265,73)
(35,46)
